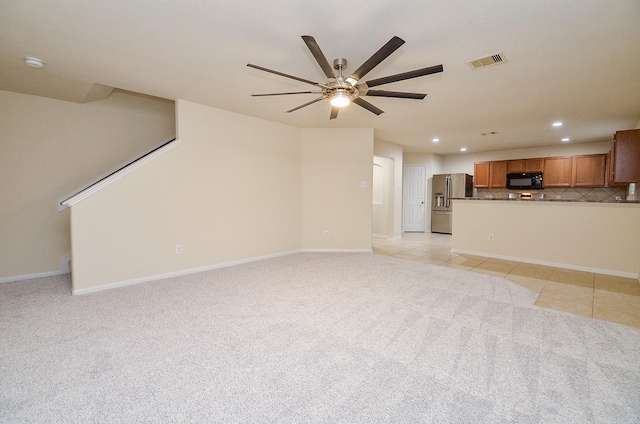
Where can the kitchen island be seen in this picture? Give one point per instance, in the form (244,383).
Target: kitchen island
(602,237)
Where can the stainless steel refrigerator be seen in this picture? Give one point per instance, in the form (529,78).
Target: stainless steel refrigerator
(444,187)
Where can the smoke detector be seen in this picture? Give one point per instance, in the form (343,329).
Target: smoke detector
(483,62)
(34,62)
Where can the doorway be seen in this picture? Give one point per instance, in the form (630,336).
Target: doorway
(414,207)
(383,197)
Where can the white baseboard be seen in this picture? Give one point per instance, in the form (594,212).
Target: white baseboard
(553,264)
(337,250)
(64,269)
(206,268)
(178,273)
(32,276)
(382,236)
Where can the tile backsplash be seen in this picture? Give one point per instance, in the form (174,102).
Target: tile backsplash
(598,194)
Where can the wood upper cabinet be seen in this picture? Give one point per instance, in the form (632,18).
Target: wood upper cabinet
(557,172)
(625,157)
(490,174)
(588,170)
(561,171)
(525,165)
(498,174)
(481,174)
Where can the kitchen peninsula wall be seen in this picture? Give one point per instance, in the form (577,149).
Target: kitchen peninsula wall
(587,236)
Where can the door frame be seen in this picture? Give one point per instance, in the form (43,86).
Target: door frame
(404,199)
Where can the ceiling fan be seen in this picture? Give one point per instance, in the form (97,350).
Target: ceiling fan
(342,91)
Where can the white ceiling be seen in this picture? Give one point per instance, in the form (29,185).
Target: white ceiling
(577,61)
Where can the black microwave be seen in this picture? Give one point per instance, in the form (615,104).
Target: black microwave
(525,180)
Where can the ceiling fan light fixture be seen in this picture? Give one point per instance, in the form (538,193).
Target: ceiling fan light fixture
(340,99)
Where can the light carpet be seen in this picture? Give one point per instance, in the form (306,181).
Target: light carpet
(306,338)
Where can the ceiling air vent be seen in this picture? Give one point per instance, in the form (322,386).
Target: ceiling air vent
(483,62)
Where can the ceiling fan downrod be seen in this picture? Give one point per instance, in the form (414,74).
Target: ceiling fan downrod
(342,94)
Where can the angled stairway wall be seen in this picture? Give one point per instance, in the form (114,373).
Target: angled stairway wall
(49,148)
(236,189)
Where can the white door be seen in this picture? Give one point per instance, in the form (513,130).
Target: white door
(415,179)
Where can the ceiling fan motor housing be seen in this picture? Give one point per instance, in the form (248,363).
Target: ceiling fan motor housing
(340,63)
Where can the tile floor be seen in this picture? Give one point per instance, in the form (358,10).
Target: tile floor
(605,297)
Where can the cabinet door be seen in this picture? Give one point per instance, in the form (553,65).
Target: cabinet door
(557,172)
(588,171)
(625,156)
(498,174)
(525,165)
(516,166)
(534,165)
(481,174)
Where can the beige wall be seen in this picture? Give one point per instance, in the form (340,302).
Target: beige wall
(598,237)
(433,162)
(50,148)
(229,192)
(334,164)
(237,188)
(393,152)
(382,186)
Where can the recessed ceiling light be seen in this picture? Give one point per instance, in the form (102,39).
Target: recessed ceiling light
(435,140)
(557,124)
(34,62)
(565,139)
(463,149)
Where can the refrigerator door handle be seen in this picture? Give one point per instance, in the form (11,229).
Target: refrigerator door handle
(447,190)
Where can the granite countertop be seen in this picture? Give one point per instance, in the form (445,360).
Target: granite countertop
(545,200)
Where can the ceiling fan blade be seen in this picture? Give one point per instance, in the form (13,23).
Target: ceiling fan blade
(306,104)
(285,94)
(405,75)
(334,112)
(365,104)
(320,58)
(384,52)
(283,74)
(398,94)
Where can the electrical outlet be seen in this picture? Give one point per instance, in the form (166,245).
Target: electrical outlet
(178,249)
(491,238)
(326,233)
